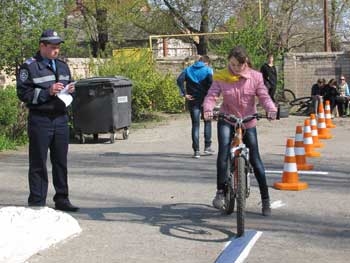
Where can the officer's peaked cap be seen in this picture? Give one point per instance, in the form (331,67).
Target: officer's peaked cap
(51,36)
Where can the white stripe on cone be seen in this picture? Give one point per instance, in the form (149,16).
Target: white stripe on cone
(290,167)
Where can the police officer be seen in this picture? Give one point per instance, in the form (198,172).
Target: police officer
(39,82)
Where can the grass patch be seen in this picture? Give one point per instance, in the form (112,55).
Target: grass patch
(154,119)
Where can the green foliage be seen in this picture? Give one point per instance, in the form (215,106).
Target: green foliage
(21,25)
(12,120)
(252,35)
(151,90)
(5,143)
(167,96)
(8,113)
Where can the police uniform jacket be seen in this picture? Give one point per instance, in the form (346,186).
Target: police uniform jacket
(34,80)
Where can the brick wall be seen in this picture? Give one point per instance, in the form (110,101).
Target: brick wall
(80,69)
(301,70)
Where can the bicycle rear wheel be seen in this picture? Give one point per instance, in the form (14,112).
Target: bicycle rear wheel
(288,95)
(241,170)
(285,96)
(229,193)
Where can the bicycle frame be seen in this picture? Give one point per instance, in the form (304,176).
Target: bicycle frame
(238,148)
(238,187)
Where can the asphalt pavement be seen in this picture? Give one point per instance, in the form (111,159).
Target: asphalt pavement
(145,199)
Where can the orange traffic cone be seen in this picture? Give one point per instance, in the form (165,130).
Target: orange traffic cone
(323,132)
(300,151)
(308,143)
(290,177)
(314,132)
(328,115)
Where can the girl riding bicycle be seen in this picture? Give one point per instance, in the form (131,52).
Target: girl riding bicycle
(239,85)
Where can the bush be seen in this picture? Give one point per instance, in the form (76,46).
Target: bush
(12,120)
(151,90)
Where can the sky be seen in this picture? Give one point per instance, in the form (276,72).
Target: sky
(25,231)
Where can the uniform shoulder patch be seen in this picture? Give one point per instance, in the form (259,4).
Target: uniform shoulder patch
(23,74)
(30,60)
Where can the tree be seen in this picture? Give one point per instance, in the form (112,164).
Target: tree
(252,35)
(336,23)
(104,20)
(96,24)
(298,25)
(197,16)
(22,23)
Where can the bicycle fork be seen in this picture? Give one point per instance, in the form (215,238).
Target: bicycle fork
(241,151)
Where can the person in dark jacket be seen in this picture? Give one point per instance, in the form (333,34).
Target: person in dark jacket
(316,92)
(269,73)
(198,78)
(330,92)
(41,83)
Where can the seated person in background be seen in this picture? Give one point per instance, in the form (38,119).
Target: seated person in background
(316,91)
(342,99)
(330,93)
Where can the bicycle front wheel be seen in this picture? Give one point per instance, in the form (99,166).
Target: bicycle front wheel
(240,164)
(229,194)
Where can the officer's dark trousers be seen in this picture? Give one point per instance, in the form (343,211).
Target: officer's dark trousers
(47,133)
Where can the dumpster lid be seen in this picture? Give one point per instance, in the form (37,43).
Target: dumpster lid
(114,80)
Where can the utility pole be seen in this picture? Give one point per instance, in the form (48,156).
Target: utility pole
(260,13)
(327,46)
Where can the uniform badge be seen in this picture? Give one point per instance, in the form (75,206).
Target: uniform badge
(23,75)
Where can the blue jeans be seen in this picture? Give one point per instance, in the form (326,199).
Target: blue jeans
(225,133)
(195,109)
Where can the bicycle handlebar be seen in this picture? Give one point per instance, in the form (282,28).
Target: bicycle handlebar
(235,119)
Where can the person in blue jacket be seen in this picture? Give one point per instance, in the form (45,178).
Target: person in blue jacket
(198,78)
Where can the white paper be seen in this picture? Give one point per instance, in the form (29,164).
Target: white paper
(65,96)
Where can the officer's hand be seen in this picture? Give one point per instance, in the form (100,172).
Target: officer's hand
(189,97)
(71,87)
(56,88)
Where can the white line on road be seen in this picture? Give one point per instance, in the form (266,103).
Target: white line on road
(299,172)
(277,204)
(237,249)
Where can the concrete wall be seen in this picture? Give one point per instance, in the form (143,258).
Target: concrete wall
(301,70)
(79,67)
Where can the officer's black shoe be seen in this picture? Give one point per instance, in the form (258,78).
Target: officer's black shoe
(36,206)
(30,204)
(65,205)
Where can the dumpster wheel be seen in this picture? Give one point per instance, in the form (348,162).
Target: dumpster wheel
(125,133)
(81,138)
(112,137)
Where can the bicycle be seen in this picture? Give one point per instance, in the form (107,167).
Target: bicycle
(285,96)
(303,105)
(239,170)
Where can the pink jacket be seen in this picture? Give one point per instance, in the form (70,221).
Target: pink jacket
(239,93)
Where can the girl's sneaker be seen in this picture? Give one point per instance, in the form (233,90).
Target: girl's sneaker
(196,155)
(219,199)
